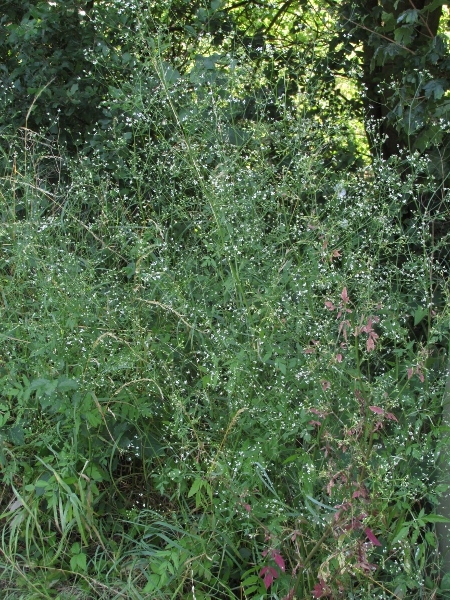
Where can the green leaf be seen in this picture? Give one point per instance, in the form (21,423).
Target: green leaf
(152,583)
(320,503)
(78,562)
(435,88)
(403,35)
(443,110)
(76,548)
(4,418)
(16,435)
(267,356)
(435,519)
(400,535)
(409,16)
(388,20)
(419,314)
(190,30)
(445,583)
(169,74)
(65,384)
(290,459)
(195,487)
(37,384)
(281,366)
(430,538)
(434,5)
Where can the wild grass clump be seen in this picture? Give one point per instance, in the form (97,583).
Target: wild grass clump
(223,363)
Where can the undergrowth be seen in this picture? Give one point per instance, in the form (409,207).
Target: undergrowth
(222,363)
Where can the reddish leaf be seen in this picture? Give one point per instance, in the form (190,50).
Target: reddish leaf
(273,572)
(247,507)
(321,590)
(325,384)
(339,358)
(330,305)
(268,580)
(376,409)
(344,296)
(366,566)
(370,344)
(410,372)
(279,560)
(371,537)
(391,417)
(269,575)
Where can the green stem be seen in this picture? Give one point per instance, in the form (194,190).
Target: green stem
(311,555)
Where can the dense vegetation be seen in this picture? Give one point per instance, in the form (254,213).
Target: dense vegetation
(224,299)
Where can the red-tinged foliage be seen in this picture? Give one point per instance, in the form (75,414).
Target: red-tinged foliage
(325,384)
(321,590)
(371,537)
(391,417)
(269,574)
(279,560)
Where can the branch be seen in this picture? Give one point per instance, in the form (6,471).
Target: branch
(382,36)
(243,3)
(283,9)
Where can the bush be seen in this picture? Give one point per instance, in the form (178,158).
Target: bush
(223,362)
